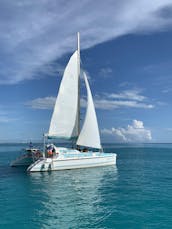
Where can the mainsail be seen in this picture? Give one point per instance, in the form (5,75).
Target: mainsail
(89,135)
(64,123)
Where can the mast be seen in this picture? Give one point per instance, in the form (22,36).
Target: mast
(78,57)
(44,137)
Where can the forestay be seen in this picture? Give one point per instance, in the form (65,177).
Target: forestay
(89,135)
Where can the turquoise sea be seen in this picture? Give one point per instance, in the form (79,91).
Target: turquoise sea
(137,193)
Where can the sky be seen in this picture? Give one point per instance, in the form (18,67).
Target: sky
(126,50)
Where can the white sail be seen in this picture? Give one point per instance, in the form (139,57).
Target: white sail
(64,123)
(89,135)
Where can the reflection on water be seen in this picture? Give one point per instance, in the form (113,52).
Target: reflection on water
(71,198)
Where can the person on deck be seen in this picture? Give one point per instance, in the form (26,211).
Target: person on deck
(49,151)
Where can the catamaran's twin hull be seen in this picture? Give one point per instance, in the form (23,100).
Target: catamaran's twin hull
(27,159)
(51,164)
(23,160)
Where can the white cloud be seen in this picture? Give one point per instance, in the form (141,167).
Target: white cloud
(42,103)
(106,104)
(105,72)
(6,116)
(129,95)
(125,99)
(132,133)
(34,33)
(169,129)
(5,119)
(83,102)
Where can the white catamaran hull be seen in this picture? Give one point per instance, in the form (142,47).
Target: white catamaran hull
(62,163)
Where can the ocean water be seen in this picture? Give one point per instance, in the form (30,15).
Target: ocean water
(136,193)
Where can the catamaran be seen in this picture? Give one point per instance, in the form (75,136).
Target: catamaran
(65,124)
(30,155)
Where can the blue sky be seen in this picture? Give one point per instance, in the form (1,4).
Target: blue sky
(125,49)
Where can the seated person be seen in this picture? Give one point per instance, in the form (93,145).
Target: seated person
(85,150)
(50,150)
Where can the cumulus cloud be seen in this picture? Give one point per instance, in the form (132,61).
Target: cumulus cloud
(132,133)
(35,33)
